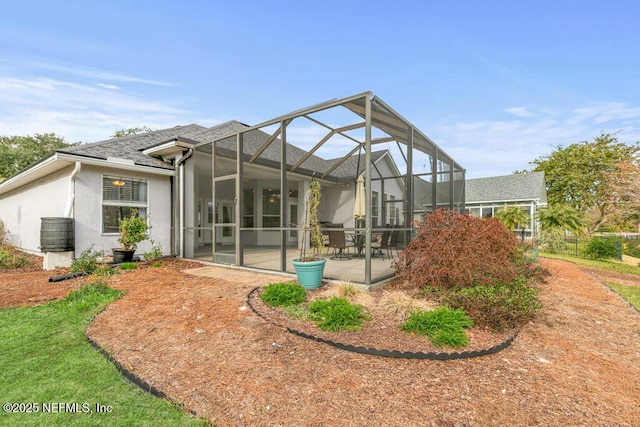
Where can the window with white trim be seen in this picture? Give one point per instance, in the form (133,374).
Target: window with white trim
(120,196)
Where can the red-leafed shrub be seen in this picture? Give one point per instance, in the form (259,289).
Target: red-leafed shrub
(457,251)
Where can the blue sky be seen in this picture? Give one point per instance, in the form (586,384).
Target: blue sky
(494,83)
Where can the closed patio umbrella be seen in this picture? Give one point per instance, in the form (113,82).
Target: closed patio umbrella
(358,206)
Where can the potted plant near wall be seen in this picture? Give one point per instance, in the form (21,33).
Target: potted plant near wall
(310,266)
(133,230)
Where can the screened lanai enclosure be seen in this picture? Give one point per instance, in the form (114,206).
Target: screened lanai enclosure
(243,190)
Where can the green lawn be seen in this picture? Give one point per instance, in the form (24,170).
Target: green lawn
(616,266)
(630,293)
(47,363)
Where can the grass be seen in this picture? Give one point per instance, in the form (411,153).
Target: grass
(128,266)
(629,293)
(615,266)
(47,359)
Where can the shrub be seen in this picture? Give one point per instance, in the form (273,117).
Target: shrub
(552,240)
(283,294)
(87,261)
(454,250)
(498,307)
(607,248)
(631,248)
(337,314)
(133,230)
(443,326)
(154,253)
(10,260)
(3,232)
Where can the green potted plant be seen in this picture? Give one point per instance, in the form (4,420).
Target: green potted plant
(133,230)
(310,266)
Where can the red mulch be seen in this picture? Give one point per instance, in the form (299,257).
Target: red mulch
(577,363)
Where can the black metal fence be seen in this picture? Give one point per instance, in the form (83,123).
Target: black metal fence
(577,246)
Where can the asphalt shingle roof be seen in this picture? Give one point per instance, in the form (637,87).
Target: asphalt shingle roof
(130,147)
(523,186)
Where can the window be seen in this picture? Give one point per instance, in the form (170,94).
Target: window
(393,219)
(120,196)
(270,207)
(247,212)
(375,209)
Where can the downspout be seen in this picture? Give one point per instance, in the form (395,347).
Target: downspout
(72,190)
(180,166)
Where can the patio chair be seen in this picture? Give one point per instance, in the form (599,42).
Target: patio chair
(338,241)
(383,244)
(393,243)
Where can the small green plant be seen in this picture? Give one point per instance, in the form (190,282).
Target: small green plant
(104,270)
(10,260)
(156,264)
(283,294)
(133,230)
(498,307)
(154,253)
(607,248)
(128,266)
(337,314)
(87,261)
(443,326)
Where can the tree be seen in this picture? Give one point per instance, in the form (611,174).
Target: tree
(19,152)
(131,131)
(581,175)
(512,216)
(626,190)
(562,217)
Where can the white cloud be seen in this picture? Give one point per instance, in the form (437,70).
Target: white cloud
(488,148)
(519,111)
(78,112)
(107,86)
(96,74)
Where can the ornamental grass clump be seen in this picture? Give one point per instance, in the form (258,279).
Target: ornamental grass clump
(283,294)
(443,326)
(453,250)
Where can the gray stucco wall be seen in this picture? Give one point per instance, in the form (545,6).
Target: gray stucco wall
(21,210)
(88,210)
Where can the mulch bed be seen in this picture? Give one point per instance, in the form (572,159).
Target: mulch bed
(577,363)
(381,332)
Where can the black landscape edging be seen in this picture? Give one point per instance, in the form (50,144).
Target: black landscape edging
(611,289)
(388,353)
(69,276)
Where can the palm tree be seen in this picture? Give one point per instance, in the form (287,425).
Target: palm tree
(513,217)
(563,217)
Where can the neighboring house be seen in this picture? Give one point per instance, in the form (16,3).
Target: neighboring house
(187,181)
(484,196)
